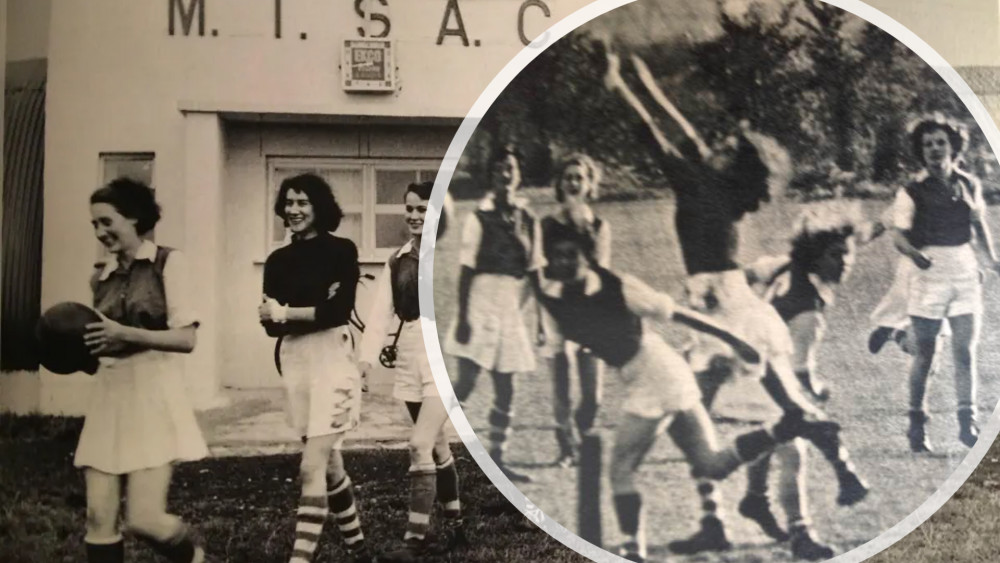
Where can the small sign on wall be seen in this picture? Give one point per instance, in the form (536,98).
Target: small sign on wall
(368,66)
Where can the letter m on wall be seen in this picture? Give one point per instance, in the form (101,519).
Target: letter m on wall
(186,9)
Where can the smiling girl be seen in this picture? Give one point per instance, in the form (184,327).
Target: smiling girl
(939,224)
(309,289)
(140,420)
(432,466)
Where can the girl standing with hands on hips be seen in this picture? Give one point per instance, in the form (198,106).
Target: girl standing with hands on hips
(140,420)
(309,290)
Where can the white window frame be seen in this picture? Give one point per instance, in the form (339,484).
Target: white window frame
(427,169)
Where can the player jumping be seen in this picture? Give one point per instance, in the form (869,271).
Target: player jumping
(714,190)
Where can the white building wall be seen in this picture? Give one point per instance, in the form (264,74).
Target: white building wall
(118,81)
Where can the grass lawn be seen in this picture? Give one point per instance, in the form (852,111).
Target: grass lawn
(869,399)
(243,506)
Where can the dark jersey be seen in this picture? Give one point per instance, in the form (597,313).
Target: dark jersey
(942,213)
(306,273)
(601,322)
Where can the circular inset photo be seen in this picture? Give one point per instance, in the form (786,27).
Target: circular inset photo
(716,278)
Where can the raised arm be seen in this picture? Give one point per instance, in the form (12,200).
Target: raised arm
(614,81)
(661,98)
(645,301)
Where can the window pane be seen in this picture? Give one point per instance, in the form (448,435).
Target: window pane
(428,175)
(350,228)
(135,167)
(391,184)
(347,185)
(390,230)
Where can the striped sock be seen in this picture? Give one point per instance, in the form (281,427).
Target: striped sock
(308,527)
(710,497)
(110,550)
(345,511)
(447,489)
(422,491)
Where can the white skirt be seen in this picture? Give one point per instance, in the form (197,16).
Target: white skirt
(500,340)
(322,382)
(139,416)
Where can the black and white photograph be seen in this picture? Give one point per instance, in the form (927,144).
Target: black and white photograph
(714,280)
(695,309)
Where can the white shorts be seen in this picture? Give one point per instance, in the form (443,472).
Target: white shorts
(951,287)
(414,380)
(745,314)
(500,340)
(659,382)
(322,382)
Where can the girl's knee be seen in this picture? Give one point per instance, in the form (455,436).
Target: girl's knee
(622,479)
(714,464)
(421,451)
(152,523)
(100,523)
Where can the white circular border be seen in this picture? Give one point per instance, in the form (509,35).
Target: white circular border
(426,284)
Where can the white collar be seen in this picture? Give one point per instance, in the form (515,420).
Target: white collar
(591,285)
(824,289)
(146,251)
(405,249)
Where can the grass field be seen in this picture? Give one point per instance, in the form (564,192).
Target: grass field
(243,506)
(869,398)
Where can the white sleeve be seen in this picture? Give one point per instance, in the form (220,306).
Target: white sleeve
(536,256)
(978,201)
(645,301)
(472,234)
(602,252)
(903,209)
(765,268)
(380,315)
(177,291)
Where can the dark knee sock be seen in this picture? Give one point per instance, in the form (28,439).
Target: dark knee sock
(178,549)
(628,508)
(447,489)
(106,552)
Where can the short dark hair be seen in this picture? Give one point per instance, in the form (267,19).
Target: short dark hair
(590,170)
(958,135)
(423,190)
(132,199)
(325,207)
(817,229)
(501,151)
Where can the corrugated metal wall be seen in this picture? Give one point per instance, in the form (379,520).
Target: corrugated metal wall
(21,261)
